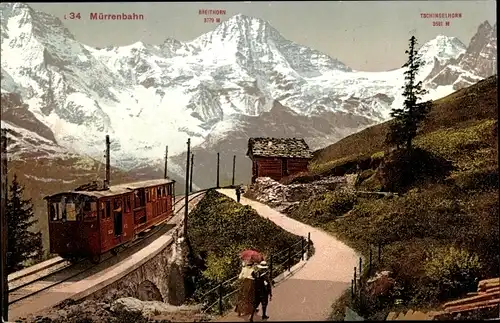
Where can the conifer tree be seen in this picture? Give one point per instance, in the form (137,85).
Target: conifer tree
(407,119)
(22,244)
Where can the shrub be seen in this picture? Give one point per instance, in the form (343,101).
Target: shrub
(451,271)
(325,208)
(403,169)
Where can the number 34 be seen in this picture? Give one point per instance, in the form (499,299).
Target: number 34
(73,15)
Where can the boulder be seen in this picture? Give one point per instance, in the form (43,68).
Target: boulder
(149,308)
(380,284)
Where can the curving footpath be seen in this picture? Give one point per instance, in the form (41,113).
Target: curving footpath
(308,294)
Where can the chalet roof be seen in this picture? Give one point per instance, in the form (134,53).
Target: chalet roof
(119,189)
(278,147)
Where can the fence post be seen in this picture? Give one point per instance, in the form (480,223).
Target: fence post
(289,262)
(308,243)
(370,265)
(271,267)
(301,248)
(355,280)
(220,299)
(360,267)
(352,289)
(379,252)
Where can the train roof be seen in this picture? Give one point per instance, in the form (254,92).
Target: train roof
(118,189)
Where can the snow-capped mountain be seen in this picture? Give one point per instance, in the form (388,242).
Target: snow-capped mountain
(149,96)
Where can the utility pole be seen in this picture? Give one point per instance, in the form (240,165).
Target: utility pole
(218,159)
(186,194)
(191,174)
(108,166)
(166,163)
(234,168)
(4,282)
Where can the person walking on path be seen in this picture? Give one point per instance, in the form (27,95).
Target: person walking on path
(263,290)
(244,305)
(238,194)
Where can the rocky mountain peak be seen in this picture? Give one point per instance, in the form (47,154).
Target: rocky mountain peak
(480,55)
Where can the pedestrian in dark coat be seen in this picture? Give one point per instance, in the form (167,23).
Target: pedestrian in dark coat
(238,194)
(263,290)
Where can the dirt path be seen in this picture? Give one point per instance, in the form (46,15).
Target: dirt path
(309,293)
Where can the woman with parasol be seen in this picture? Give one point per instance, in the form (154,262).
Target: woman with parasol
(244,305)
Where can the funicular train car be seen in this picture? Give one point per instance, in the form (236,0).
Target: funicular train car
(91,222)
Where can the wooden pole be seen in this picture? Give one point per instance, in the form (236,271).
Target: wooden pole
(186,191)
(218,160)
(191,174)
(4,282)
(234,168)
(166,163)
(107,179)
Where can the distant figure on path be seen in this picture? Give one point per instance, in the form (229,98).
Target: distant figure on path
(238,194)
(263,290)
(244,305)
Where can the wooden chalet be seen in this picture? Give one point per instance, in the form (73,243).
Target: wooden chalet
(278,157)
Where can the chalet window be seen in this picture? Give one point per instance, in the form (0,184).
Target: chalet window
(127,204)
(108,208)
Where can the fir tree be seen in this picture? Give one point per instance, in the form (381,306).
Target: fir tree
(407,119)
(22,244)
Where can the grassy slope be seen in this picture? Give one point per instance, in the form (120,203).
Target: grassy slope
(459,109)
(462,211)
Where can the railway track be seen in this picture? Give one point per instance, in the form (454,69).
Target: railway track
(62,270)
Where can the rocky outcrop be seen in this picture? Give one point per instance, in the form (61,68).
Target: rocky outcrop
(150,308)
(281,197)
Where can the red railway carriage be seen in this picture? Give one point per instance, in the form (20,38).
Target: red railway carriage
(91,222)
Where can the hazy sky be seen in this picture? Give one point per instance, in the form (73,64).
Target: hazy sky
(365,35)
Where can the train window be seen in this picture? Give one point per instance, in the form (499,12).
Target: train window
(108,208)
(147,195)
(140,197)
(127,204)
(117,204)
(70,211)
(158,192)
(86,206)
(54,210)
(103,215)
(169,189)
(93,206)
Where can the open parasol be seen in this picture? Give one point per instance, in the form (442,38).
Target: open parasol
(251,256)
